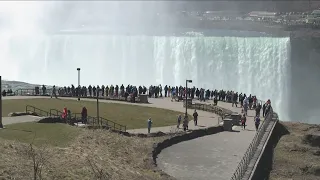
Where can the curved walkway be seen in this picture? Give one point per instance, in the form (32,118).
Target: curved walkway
(210,157)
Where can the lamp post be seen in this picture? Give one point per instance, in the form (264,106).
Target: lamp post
(1,125)
(187,81)
(98,118)
(78,69)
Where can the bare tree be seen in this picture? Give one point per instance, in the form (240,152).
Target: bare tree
(98,172)
(39,157)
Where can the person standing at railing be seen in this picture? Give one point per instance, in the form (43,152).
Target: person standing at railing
(264,109)
(268,107)
(44,90)
(258,109)
(69,116)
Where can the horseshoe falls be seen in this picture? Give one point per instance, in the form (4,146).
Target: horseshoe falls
(256,65)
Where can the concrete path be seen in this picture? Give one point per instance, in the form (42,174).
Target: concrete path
(211,157)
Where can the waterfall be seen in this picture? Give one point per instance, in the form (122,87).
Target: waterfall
(256,65)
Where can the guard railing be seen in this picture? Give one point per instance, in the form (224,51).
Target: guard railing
(248,156)
(78,117)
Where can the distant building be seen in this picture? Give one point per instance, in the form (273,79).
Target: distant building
(314,18)
(263,15)
(221,14)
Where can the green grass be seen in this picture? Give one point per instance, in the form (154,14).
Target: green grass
(40,133)
(133,116)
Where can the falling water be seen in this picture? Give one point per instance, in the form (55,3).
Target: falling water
(257,65)
(252,65)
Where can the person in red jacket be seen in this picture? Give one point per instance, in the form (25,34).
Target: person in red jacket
(64,113)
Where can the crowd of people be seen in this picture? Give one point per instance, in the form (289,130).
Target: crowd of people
(244,101)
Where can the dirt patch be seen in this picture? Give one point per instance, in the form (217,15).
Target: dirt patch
(295,156)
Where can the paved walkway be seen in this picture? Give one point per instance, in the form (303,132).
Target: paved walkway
(210,157)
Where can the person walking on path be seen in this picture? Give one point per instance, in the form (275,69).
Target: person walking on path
(245,107)
(258,109)
(54,93)
(149,125)
(257,122)
(185,123)
(179,121)
(243,121)
(195,118)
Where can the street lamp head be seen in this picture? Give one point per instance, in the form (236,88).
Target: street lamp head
(189,81)
(78,69)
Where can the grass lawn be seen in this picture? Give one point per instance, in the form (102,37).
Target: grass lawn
(40,133)
(133,116)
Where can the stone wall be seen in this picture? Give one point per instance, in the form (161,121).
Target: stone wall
(264,165)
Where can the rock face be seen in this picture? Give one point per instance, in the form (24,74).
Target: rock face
(312,138)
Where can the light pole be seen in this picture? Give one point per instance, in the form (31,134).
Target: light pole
(1,125)
(187,81)
(98,118)
(78,69)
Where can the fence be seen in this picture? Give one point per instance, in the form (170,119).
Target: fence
(248,156)
(48,92)
(38,111)
(78,117)
(210,108)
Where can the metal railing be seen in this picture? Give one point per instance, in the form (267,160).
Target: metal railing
(38,111)
(78,118)
(48,92)
(248,156)
(112,125)
(222,112)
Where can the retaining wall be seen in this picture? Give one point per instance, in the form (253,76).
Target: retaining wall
(264,164)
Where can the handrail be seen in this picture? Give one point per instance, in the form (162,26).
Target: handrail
(55,112)
(115,125)
(34,109)
(209,108)
(91,120)
(250,152)
(32,92)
